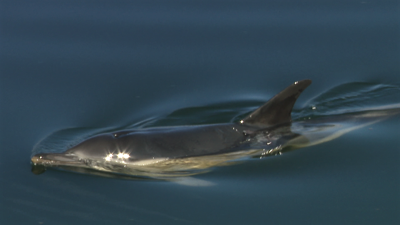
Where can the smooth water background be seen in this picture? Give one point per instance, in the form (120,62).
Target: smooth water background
(68,64)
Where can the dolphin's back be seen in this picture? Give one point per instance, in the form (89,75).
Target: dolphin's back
(181,142)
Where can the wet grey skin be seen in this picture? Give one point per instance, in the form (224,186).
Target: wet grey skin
(186,150)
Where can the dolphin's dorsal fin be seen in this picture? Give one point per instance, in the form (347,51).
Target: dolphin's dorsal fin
(278,109)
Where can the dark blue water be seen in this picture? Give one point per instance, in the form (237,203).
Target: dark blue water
(98,64)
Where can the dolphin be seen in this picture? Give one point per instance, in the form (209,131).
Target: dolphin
(165,152)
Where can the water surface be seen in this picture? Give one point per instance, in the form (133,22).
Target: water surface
(98,64)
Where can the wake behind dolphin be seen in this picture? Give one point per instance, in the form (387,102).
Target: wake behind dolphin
(163,152)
